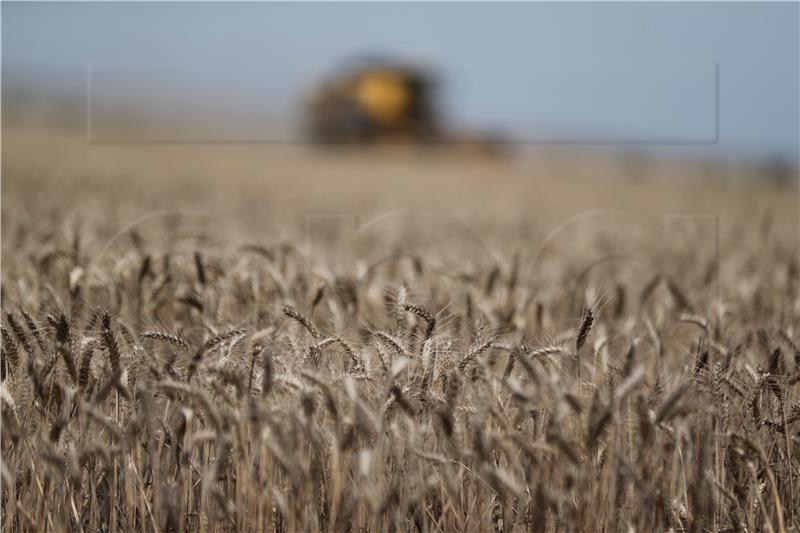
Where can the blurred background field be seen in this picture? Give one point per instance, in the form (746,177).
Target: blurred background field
(279,181)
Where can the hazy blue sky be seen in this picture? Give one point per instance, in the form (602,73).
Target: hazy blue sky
(642,72)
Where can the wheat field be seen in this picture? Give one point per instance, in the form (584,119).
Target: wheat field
(255,339)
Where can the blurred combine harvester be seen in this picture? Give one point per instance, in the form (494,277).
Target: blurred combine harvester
(373,102)
(384,102)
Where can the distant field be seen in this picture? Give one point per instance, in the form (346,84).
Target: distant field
(252,338)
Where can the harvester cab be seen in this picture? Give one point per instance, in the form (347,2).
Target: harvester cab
(375,102)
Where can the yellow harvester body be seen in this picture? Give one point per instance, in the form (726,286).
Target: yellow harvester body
(374,104)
